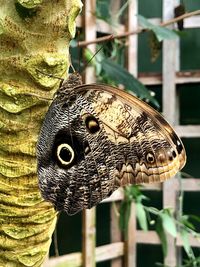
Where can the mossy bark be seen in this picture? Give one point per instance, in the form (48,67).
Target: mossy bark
(34,42)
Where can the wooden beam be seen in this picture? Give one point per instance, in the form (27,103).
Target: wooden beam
(102,253)
(170,111)
(149,237)
(113,250)
(181,77)
(189,131)
(130,254)
(89,237)
(89,216)
(104,27)
(188,184)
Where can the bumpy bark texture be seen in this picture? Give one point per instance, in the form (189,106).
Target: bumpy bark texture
(34,41)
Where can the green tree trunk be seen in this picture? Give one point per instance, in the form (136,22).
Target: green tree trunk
(34,41)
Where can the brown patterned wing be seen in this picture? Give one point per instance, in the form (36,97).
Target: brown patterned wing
(152,151)
(96,138)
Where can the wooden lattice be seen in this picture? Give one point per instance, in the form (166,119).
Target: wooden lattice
(124,253)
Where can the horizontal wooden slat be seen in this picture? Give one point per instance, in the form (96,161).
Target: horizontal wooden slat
(149,237)
(152,238)
(102,26)
(190,184)
(181,77)
(189,131)
(116,196)
(152,187)
(187,184)
(193,22)
(69,260)
(103,253)
(194,242)
(113,250)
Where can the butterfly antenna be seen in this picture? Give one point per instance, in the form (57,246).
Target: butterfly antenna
(98,50)
(71,65)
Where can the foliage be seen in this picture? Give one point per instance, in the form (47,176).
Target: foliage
(160,32)
(164,223)
(113,73)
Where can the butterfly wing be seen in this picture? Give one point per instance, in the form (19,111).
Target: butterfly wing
(96,138)
(142,132)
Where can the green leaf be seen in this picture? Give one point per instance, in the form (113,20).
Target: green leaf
(121,76)
(168,222)
(153,210)
(144,23)
(194,217)
(164,33)
(161,33)
(161,233)
(135,192)
(185,238)
(141,215)
(185,220)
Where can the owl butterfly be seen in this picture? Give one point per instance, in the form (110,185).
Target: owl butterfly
(96,138)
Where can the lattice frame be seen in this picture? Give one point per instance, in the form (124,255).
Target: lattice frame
(170,78)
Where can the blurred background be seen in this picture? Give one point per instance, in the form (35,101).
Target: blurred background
(165,71)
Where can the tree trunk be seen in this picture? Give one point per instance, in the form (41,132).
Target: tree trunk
(34,42)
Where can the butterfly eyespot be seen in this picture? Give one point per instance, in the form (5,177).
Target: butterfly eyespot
(173,153)
(87,150)
(179,147)
(150,158)
(92,124)
(65,154)
(161,158)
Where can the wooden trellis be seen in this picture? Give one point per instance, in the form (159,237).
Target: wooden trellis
(124,253)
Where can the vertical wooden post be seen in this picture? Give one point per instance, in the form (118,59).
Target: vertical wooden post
(89,237)
(177,122)
(89,216)
(170,111)
(132,48)
(115,232)
(132,65)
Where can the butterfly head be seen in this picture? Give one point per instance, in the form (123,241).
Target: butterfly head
(74,79)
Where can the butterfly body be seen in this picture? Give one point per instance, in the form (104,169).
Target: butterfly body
(96,138)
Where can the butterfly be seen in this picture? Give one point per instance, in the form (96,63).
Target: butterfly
(96,138)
